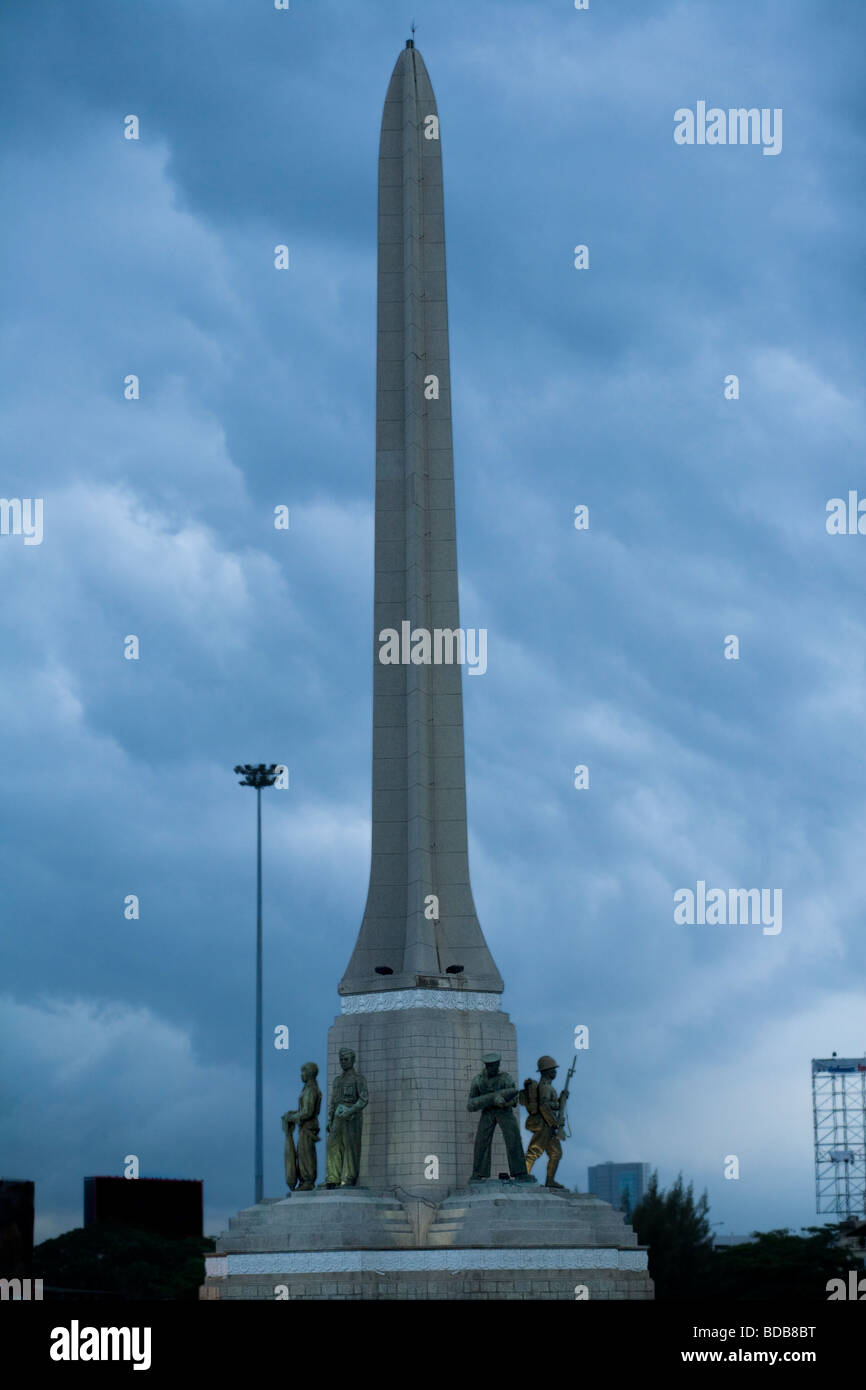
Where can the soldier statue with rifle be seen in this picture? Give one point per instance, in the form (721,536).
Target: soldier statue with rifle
(546,1119)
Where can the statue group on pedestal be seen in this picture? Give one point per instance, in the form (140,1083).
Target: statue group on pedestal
(493,1093)
(343,1151)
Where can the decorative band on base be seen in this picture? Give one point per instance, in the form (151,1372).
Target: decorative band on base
(472,1000)
(411,1261)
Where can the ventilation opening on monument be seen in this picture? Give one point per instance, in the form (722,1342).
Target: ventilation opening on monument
(454,969)
(384,970)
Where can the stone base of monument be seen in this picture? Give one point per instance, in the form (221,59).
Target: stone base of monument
(491,1241)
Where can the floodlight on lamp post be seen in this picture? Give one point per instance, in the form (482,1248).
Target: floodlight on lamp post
(258,776)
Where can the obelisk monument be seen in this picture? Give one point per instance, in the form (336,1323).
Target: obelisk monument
(421,992)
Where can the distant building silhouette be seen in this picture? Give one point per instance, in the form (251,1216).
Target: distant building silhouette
(621,1184)
(16,1228)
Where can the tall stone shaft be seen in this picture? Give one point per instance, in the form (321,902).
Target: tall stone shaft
(420,922)
(421,994)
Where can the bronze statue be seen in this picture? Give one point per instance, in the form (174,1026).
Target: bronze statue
(494,1093)
(546,1118)
(301,1165)
(348,1098)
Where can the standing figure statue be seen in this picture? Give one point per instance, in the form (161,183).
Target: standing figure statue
(494,1093)
(348,1098)
(545,1119)
(301,1165)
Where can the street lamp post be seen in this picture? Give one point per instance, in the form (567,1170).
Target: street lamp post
(258,777)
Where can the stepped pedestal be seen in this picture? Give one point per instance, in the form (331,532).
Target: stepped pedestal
(491,1241)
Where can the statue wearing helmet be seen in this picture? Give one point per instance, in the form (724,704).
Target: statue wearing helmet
(545,1117)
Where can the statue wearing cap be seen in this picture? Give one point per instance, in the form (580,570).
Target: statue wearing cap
(494,1093)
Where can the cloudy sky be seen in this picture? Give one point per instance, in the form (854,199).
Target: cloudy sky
(605,387)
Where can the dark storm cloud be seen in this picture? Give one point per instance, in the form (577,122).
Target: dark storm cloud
(604,387)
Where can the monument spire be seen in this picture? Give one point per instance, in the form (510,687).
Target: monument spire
(420,928)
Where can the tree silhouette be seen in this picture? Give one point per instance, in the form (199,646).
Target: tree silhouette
(677,1230)
(122,1263)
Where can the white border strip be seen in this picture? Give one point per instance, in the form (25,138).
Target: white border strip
(409,1261)
(420,999)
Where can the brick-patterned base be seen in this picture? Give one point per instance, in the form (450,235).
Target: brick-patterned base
(419,1064)
(492,1284)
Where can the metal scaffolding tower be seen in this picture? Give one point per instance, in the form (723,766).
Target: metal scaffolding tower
(839,1116)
